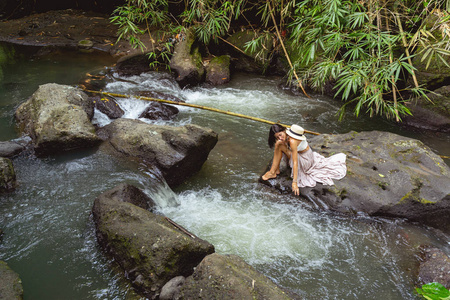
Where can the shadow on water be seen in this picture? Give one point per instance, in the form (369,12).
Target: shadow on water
(48,229)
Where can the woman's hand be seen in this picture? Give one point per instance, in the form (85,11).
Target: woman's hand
(295,188)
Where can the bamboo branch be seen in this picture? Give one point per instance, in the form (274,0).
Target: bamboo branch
(405,44)
(196,106)
(394,87)
(285,51)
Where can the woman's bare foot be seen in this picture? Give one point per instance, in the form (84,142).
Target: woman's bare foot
(268,176)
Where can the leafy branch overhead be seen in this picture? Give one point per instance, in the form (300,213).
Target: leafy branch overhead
(367,50)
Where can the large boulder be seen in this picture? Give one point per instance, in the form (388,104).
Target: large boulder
(10,283)
(7,175)
(430,114)
(186,61)
(150,248)
(251,59)
(177,152)
(218,70)
(387,175)
(229,277)
(434,267)
(57,117)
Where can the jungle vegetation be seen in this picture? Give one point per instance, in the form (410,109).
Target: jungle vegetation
(364,48)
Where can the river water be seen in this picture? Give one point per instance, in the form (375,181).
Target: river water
(49,237)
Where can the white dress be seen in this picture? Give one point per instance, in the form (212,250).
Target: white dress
(313,167)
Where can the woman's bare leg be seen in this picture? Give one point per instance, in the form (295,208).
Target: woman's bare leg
(280,148)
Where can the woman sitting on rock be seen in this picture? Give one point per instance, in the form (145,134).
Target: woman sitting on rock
(307,167)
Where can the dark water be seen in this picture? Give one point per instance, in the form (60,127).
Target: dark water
(49,238)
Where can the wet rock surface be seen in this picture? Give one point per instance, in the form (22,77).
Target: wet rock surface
(57,118)
(229,277)
(178,152)
(150,248)
(435,267)
(107,105)
(65,29)
(156,111)
(10,283)
(10,148)
(387,175)
(7,175)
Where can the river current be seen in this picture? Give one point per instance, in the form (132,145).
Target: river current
(49,237)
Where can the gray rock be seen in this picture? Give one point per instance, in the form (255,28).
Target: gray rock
(108,106)
(435,267)
(229,277)
(431,114)
(186,61)
(10,283)
(10,149)
(125,192)
(218,70)
(57,117)
(250,61)
(7,175)
(171,289)
(178,152)
(387,175)
(134,64)
(156,111)
(150,248)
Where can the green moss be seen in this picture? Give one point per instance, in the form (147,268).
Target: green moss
(414,194)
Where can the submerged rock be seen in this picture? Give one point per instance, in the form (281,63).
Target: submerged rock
(7,175)
(435,267)
(150,248)
(229,277)
(57,117)
(178,152)
(10,283)
(387,175)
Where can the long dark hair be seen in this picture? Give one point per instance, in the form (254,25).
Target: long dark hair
(275,128)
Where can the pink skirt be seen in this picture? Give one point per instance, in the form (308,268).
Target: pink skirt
(313,168)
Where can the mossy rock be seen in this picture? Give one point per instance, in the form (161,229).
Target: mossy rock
(7,175)
(10,283)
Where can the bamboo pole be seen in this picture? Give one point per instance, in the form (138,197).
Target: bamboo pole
(196,106)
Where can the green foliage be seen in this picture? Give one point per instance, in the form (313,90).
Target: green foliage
(358,46)
(434,291)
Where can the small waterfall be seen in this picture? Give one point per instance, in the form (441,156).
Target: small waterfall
(158,189)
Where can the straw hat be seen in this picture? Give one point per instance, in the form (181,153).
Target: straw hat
(296,132)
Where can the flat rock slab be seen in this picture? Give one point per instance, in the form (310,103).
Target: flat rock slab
(387,175)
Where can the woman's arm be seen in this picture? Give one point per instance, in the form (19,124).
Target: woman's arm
(294,144)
